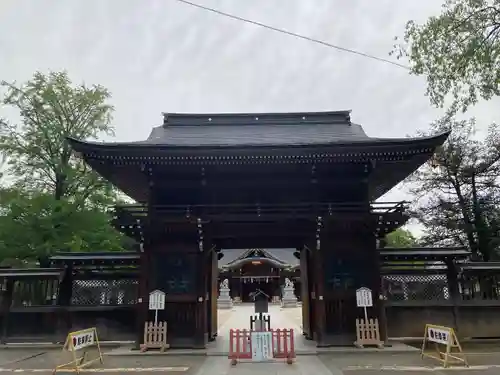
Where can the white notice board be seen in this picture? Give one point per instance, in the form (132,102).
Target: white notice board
(262,346)
(364,297)
(157,300)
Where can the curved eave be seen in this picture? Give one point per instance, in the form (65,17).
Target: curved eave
(123,163)
(241,262)
(141,146)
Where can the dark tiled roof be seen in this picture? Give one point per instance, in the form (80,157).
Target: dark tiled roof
(230,255)
(296,137)
(284,256)
(256,129)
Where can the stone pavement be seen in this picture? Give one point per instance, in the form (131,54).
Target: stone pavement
(42,362)
(240,319)
(337,361)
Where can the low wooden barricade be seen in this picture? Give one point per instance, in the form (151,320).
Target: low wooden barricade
(80,341)
(155,336)
(368,333)
(261,346)
(439,337)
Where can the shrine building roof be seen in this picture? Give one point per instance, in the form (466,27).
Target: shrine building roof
(280,258)
(256,139)
(253,129)
(256,129)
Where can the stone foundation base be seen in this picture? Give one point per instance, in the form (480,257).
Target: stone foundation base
(224,304)
(288,303)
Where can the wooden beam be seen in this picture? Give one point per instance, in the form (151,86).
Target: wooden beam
(244,182)
(259,242)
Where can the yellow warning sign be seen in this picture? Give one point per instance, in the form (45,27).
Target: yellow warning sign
(78,344)
(446,347)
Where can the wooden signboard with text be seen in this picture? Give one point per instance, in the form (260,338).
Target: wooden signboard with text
(446,347)
(80,342)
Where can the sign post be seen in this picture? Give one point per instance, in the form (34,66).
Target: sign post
(261,307)
(367,330)
(443,336)
(80,341)
(155,334)
(156,302)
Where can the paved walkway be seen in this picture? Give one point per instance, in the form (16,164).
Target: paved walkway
(306,365)
(280,318)
(239,318)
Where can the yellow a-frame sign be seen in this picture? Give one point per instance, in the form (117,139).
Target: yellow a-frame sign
(440,336)
(80,341)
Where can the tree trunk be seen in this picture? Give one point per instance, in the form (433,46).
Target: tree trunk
(469,227)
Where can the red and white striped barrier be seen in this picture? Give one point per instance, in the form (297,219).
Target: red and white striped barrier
(240,344)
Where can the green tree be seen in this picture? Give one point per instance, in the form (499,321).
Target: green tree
(400,238)
(38,225)
(458,190)
(56,202)
(458,52)
(38,154)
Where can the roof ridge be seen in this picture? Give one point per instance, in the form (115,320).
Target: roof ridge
(271,256)
(237,119)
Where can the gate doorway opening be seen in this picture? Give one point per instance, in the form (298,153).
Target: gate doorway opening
(266,269)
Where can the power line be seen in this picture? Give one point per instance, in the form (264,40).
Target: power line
(299,36)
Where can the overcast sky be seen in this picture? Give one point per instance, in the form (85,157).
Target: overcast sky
(164,56)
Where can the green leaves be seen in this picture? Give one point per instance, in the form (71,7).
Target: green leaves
(458,52)
(51,110)
(458,193)
(39,225)
(400,238)
(56,201)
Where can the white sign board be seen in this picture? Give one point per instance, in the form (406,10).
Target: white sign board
(364,297)
(83,339)
(262,346)
(439,335)
(157,300)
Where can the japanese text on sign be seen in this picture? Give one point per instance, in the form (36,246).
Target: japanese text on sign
(438,335)
(83,339)
(80,340)
(364,297)
(157,300)
(262,347)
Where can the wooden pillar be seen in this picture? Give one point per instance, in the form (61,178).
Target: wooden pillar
(306,294)
(143,295)
(64,296)
(179,269)
(204,269)
(375,284)
(214,286)
(318,247)
(6,304)
(142,306)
